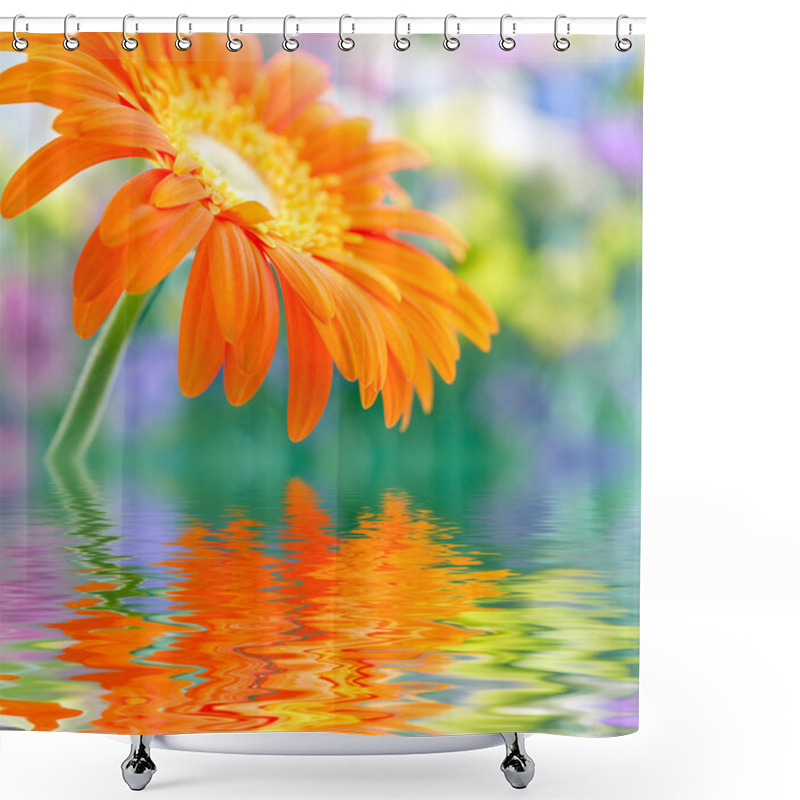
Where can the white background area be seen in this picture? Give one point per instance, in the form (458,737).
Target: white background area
(720,702)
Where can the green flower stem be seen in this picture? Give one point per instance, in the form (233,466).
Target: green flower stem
(85,409)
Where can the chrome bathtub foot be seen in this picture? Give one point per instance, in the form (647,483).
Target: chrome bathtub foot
(517,766)
(138,768)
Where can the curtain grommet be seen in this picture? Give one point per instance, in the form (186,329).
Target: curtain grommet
(561,43)
(233,44)
(129,43)
(451,43)
(346,43)
(623,44)
(70,42)
(182,42)
(507,43)
(401,43)
(290,44)
(19,43)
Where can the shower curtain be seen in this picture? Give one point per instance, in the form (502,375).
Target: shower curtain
(320,401)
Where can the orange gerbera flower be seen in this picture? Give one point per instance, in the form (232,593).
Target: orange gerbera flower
(265,180)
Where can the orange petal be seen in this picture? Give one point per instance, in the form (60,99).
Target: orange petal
(51,166)
(234,278)
(184,164)
(201,348)
(307,277)
(292,82)
(431,330)
(395,394)
(247,214)
(89,315)
(398,339)
(99,62)
(423,382)
(368,277)
(177,190)
(310,367)
(364,193)
(331,148)
(98,268)
(65,86)
(408,402)
(15,82)
(312,121)
(112,124)
(247,362)
(474,317)
(129,214)
(355,337)
(381,157)
(407,220)
(406,264)
(154,256)
(210,59)
(369,393)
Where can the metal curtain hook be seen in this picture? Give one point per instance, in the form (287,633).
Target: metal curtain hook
(401,42)
(70,42)
(181,42)
(290,44)
(507,42)
(233,44)
(129,43)
(451,42)
(561,43)
(623,45)
(19,44)
(346,42)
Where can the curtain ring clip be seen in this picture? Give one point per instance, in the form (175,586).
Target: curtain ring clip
(623,44)
(507,42)
(70,42)
(561,43)
(346,42)
(181,41)
(129,43)
(233,44)
(451,43)
(290,44)
(401,42)
(19,44)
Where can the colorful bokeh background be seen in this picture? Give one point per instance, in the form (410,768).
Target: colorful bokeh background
(476,573)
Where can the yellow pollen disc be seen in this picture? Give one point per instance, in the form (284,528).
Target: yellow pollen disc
(241,160)
(242,180)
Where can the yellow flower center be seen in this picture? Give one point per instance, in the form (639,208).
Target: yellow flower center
(241,160)
(242,179)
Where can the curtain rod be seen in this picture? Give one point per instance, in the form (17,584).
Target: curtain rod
(300,25)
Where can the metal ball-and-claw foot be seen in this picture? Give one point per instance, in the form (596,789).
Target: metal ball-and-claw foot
(517,766)
(138,768)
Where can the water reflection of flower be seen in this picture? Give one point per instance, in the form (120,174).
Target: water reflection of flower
(574,647)
(324,631)
(623,712)
(392,623)
(33,583)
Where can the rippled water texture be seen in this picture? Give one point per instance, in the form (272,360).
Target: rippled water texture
(297,609)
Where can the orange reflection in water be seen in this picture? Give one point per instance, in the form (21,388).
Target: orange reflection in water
(43,716)
(316,631)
